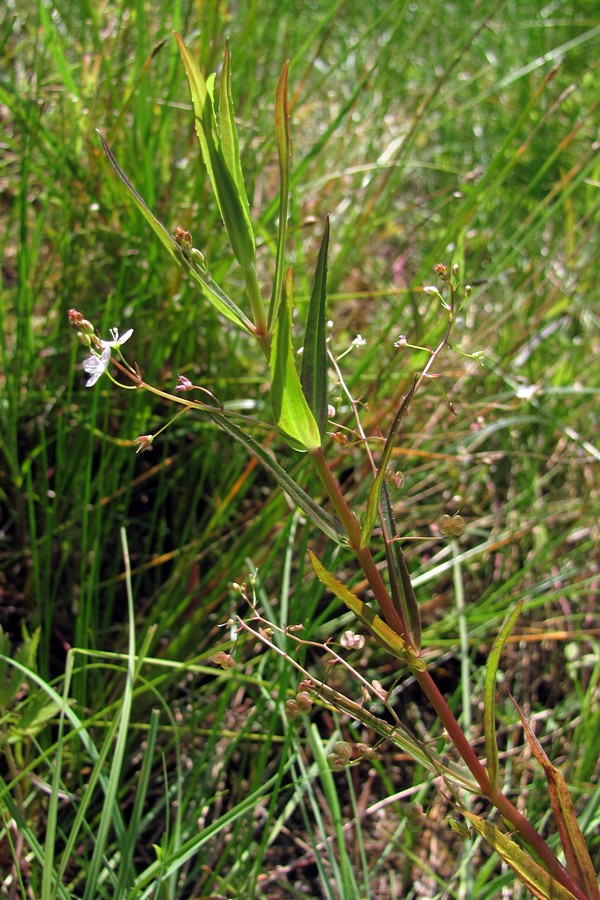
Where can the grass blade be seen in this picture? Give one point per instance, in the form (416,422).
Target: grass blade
(110,801)
(489,716)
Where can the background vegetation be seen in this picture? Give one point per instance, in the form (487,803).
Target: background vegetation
(457,133)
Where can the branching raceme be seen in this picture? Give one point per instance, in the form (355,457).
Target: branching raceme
(300,412)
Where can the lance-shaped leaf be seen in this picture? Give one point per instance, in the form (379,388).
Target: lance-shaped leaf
(211,290)
(403,595)
(284,151)
(489,714)
(228,131)
(292,413)
(530,873)
(314,356)
(374,493)
(381,631)
(220,153)
(577,857)
(327,523)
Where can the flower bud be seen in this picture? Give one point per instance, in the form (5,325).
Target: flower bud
(352,641)
(75,318)
(84,338)
(184,384)
(183,239)
(198,258)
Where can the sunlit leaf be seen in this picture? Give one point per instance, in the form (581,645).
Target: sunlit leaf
(228,131)
(530,873)
(220,153)
(381,631)
(292,413)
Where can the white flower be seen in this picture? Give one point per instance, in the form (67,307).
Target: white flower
(96,366)
(359,341)
(117,339)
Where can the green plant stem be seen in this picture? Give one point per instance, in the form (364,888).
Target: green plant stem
(259,314)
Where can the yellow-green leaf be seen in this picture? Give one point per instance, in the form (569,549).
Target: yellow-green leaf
(292,413)
(381,631)
(577,857)
(530,873)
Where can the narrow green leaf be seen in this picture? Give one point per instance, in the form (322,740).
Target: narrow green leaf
(530,873)
(134,828)
(381,631)
(328,525)
(403,595)
(222,161)
(211,290)
(374,493)
(234,213)
(489,710)
(228,130)
(118,758)
(292,413)
(577,857)
(201,98)
(284,150)
(314,357)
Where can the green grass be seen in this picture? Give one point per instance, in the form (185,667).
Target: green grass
(456,133)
